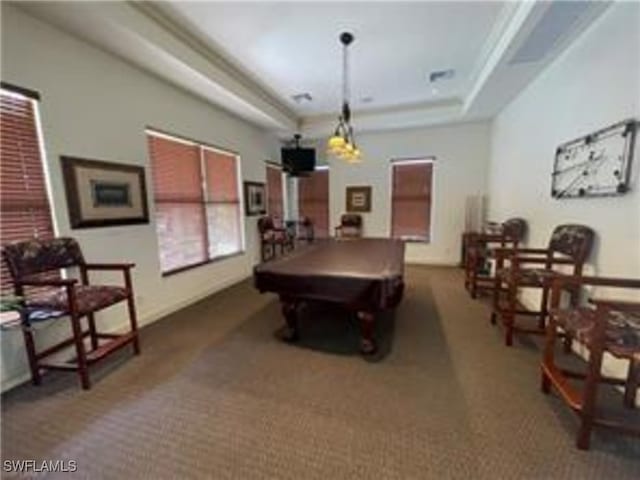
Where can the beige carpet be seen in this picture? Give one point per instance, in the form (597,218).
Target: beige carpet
(215,395)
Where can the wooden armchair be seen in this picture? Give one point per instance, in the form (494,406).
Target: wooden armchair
(271,236)
(606,326)
(302,229)
(350,226)
(570,246)
(31,264)
(478,249)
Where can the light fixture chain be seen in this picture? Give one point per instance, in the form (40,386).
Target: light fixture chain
(345,74)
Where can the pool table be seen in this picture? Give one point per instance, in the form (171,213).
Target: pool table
(365,275)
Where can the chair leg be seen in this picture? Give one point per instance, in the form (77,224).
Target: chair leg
(83,369)
(93,333)
(131,307)
(543,308)
(510,314)
(590,393)
(496,301)
(30,345)
(632,384)
(548,356)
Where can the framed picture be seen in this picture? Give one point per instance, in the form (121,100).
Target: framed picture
(103,194)
(358,199)
(255,198)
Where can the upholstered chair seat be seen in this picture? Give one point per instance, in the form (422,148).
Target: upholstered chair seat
(89,298)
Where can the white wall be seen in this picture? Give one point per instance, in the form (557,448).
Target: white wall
(97,106)
(595,83)
(462,155)
(592,85)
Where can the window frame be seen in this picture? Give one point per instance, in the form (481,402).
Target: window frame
(202,146)
(33,97)
(414,160)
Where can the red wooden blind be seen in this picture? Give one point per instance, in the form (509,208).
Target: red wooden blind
(313,195)
(275,204)
(24,206)
(223,203)
(411,200)
(179,200)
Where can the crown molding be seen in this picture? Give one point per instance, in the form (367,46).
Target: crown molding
(154,12)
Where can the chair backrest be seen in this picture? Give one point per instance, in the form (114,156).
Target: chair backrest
(575,241)
(351,220)
(515,229)
(35,256)
(265,224)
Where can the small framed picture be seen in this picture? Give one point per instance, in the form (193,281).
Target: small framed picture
(103,194)
(255,198)
(358,199)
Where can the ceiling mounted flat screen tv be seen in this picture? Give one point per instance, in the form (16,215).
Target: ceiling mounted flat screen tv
(298,161)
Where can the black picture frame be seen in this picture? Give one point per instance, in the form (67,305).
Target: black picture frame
(255,198)
(92,197)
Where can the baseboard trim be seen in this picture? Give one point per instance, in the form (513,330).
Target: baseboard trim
(147,319)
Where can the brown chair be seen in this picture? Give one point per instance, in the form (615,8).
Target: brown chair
(479,247)
(350,226)
(605,326)
(570,246)
(272,234)
(37,263)
(302,229)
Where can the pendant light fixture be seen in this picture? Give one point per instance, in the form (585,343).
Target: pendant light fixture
(343,144)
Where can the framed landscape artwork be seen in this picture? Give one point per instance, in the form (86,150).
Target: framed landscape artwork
(102,194)
(255,198)
(358,199)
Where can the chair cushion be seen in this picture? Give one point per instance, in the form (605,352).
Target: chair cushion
(530,277)
(349,231)
(275,236)
(622,331)
(89,298)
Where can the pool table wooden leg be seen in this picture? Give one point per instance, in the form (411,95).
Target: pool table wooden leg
(290,312)
(367,341)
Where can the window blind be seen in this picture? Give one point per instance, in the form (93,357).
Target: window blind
(223,203)
(411,200)
(313,194)
(179,200)
(275,203)
(197,200)
(24,205)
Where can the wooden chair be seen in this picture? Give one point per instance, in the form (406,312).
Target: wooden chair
(271,236)
(304,231)
(350,226)
(479,247)
(605,326)
(573,245)
(31,264)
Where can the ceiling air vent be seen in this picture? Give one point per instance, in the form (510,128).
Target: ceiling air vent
(441,75)
(301,97)
(556,22)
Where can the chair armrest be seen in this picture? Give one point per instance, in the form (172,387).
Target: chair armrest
(543,260)
(109,266)
(61,282)
(566,282)
(535,251)
(620,305)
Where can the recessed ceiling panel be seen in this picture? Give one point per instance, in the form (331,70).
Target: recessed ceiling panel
(293,47)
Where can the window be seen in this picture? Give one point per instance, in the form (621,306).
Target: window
(313,195)
(275,203)
(411,199)
(24,203)
(196,202)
